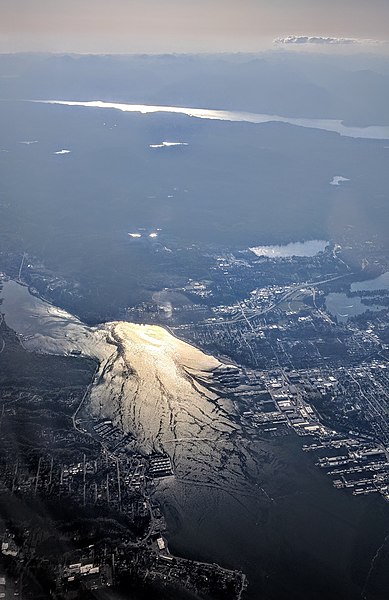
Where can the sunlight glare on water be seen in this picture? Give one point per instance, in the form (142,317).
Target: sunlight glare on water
(334,125)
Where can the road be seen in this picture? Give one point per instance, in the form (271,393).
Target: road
(2,340)
(258,313)
(86,394)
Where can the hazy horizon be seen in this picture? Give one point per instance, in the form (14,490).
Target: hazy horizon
(185,26)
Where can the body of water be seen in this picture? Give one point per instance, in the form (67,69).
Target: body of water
(259,505)
(338,180)
(334,125)
(304,540)
(308,248)
(372,285)
(343,306)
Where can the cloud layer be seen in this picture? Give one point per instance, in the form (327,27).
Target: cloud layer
(305,39)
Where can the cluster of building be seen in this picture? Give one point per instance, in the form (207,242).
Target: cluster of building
(281,405)
(111,435)
(160,465)
(9,546)
(357,461)
(9,587)
(91,575)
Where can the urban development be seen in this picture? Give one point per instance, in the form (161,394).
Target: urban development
(300,360)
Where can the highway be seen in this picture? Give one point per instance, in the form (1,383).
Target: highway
(242,314)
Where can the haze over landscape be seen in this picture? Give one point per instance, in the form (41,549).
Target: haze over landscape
(153,26)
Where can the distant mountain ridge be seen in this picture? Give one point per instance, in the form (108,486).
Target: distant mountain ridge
(311,86)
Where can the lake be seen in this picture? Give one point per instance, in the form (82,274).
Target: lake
(309,248)
(380,132)
(372,285)
(343,306)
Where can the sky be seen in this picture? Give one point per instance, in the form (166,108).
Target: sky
(154,26)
